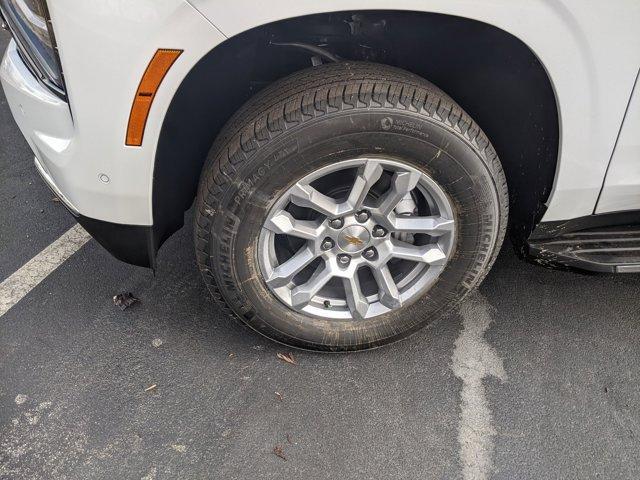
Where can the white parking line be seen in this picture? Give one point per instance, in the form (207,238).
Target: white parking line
(473,359)
(15,287)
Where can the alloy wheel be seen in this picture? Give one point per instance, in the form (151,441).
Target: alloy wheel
(356,239)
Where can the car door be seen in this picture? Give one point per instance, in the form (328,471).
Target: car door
(621,188)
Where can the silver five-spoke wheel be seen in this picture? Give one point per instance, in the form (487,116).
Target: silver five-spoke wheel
(356,239)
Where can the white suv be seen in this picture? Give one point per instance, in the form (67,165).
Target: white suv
(342,198)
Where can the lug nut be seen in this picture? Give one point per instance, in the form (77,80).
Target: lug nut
(327,244)
(344,260)
(362,216)
(336,223)
(369,253)
(378,231)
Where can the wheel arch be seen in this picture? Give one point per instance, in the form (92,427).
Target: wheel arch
(492,74)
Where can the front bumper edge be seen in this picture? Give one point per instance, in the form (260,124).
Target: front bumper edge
(134,244)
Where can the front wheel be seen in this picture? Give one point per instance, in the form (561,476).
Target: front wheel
(348,205)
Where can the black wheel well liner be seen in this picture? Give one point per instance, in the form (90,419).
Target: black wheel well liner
(492,74)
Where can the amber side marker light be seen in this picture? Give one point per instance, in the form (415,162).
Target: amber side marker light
(149,84)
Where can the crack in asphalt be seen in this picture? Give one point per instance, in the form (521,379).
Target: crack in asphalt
(474,359)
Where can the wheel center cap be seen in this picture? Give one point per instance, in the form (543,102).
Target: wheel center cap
(353,239)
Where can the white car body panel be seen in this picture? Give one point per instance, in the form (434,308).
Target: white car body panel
(124,36)
(106,46)
(621,190)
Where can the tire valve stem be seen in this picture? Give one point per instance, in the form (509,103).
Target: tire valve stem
(327,304)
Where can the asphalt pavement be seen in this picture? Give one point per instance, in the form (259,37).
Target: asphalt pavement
(536,377)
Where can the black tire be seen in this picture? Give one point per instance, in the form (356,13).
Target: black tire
(322,115)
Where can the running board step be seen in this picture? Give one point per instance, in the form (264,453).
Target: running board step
(610,250)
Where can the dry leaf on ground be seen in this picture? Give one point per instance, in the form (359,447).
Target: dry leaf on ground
(278,452)
(287,357)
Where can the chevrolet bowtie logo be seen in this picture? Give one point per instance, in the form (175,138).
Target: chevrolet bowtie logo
(353,240)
